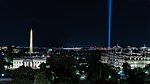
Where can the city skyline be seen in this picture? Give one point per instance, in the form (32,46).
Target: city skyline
(74,41)
(74,23)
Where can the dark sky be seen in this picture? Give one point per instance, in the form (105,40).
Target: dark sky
(71,23)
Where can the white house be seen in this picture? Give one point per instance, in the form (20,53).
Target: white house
(30,62)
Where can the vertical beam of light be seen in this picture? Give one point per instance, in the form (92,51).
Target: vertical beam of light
(109,22)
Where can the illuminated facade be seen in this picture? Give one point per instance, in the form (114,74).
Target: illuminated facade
(138,61)
(31,62)
(132,55)
(112,59)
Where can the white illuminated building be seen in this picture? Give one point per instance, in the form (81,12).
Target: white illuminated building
(31,61)
(28,62)
(135,57)
(138,61)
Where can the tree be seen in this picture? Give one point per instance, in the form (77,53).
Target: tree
(23,75)
(126,68)
(63,68)
(137,76)
(42,66)
(41,78)
(2,68)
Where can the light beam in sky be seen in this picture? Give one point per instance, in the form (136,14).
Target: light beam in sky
(109,22)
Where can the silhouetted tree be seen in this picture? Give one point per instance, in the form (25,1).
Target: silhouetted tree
(63,68)
(41,78)
(2,68)
(23,75)
(137,76)
(126,68)
(42,66)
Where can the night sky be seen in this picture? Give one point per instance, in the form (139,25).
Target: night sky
(74,23)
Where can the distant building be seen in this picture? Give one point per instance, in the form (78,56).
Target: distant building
(137,61)
(30,62)
(134,56)
(112,59)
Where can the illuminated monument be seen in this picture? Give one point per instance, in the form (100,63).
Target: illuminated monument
(31,42)
(29,61)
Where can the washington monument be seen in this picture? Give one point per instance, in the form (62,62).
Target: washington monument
(31,42)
